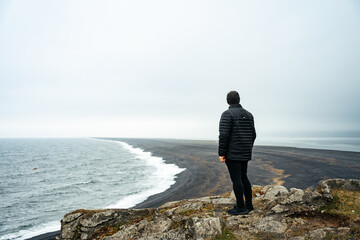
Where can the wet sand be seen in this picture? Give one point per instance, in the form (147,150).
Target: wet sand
(205,175)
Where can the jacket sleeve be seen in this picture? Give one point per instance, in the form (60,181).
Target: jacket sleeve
(254,131)
(225,127)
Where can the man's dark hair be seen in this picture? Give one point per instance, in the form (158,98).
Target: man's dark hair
(233,98)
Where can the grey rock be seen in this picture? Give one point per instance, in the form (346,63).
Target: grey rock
(317,234)
(191,206)
(296,195)
(279,209)
(205,199)
(84,226)
(300,221)
(326,185)
(206,227)
(98,218)
(352,185)
(144,229)
(223,201)
(275,191)
(170,204)
(269,224)
(124,233)
(345,229)
(237,221)
(297,238)
(71,217)
(195,206)
(312,196)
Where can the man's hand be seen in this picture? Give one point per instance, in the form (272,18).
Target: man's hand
(222,158)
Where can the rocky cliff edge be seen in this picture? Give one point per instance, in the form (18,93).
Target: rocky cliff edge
(329,211)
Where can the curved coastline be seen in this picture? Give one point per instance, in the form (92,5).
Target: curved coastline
(204,175)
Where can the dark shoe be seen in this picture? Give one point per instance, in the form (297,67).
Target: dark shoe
(249,208)
(238,211)
(231,210)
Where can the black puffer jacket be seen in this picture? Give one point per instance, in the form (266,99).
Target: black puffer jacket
(236,133)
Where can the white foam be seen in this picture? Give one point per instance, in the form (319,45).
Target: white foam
(163,177)
(34,231)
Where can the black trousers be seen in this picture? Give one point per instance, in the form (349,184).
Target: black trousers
(241,183)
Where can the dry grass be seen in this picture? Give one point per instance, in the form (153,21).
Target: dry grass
(226,195)
(208,207)
(258,190)
(225,235)
(105,231)
(345,203)
(189,212)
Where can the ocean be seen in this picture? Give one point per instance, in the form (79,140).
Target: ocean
(351,144)
(43,179)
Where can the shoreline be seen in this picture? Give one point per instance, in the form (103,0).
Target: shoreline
(288,166)
(205,175)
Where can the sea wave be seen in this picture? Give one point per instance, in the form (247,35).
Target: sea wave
(32,232)
(162,178)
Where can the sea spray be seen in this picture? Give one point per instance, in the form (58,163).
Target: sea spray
(164,176)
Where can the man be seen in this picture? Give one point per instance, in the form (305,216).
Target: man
(236,139)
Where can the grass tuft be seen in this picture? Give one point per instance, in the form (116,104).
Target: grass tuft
(225,235)
(188,212)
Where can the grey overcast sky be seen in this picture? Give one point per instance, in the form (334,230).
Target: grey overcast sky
(163,68)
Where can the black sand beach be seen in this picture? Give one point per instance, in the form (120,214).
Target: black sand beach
(205,175)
